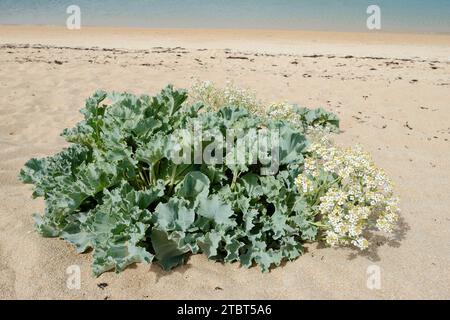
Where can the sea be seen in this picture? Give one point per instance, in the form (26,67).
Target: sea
(415,16)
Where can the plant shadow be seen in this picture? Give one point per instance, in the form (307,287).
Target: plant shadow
(161,273)
(377,241)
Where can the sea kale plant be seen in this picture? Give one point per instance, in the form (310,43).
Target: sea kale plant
(156,179)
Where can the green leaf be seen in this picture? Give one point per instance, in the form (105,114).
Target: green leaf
(232,247)
(118,257)
(250,182)
(146,127)
(45,228)
(81,239)
(155,150)
(279,226)
(292,145)
(210,243)
(194,184)
(167,251)
(265,259)
(215,209)
(291,248)
(174,215)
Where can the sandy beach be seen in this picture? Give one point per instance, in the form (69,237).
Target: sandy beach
(391,92)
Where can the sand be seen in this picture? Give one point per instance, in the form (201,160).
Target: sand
(392,93)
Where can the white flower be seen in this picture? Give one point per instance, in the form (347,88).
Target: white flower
(360,243)
(304,184)
(215,98)
(331,238)
(360,193)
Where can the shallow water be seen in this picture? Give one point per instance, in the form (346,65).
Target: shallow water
(331,15)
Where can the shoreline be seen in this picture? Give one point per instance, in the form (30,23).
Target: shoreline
(380,32)
(395,45)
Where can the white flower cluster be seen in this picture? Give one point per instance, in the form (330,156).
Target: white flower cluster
(350,193)
(231,95)
(283,111)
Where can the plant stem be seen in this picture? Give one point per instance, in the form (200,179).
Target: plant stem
(233,183)
(172,178)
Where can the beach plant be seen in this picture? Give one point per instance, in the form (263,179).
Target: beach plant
(348,192)
(132,187)
(304,119)
(215,97)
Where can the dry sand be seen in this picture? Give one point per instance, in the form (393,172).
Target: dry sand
(392,93)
